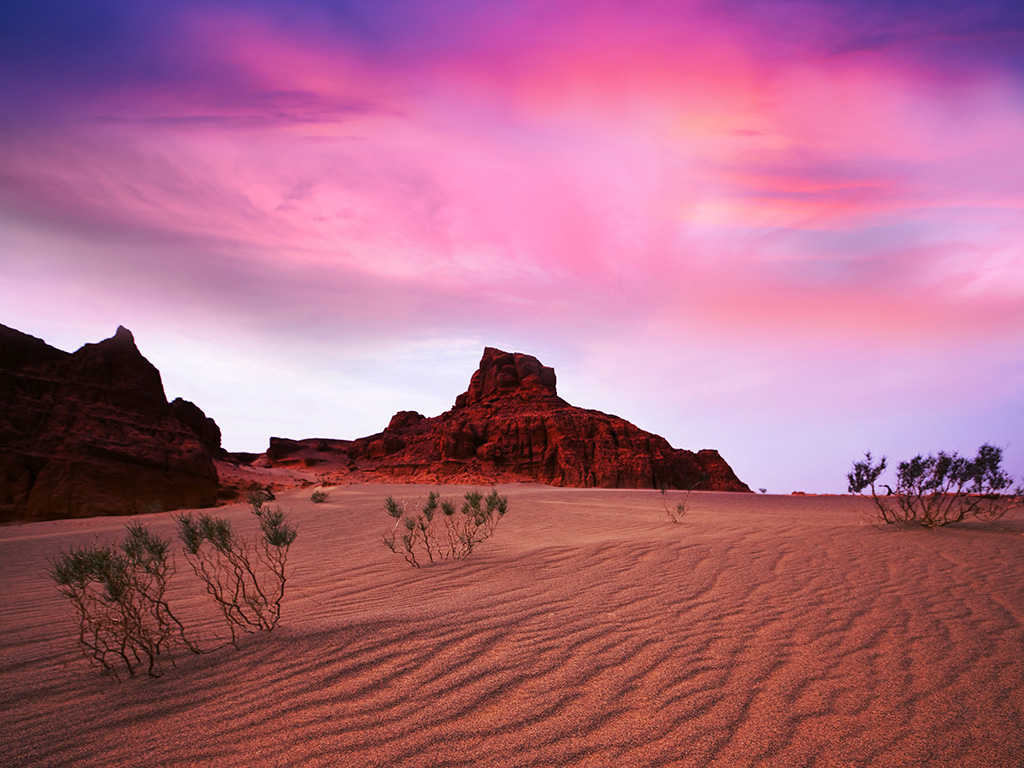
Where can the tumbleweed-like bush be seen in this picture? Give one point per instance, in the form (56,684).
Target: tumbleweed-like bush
(245,578)
(442,530)
(938,490)
(119,596)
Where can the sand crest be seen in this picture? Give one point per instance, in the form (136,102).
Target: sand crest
(591,631)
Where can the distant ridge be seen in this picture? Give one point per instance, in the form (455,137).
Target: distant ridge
(510,425)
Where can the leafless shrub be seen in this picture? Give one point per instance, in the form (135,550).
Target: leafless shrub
(682,506)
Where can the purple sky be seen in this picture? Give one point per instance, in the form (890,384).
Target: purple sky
(789,230)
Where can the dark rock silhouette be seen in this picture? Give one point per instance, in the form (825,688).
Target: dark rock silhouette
(91,433)
(511,426)
(206,429)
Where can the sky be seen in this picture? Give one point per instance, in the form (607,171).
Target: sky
(790,230)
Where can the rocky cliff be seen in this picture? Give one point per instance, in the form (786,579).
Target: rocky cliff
(511,426)
(91,433)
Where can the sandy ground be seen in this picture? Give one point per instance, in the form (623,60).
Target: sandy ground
(591,631)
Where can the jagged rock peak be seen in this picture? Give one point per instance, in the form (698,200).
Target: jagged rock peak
(115,368)
(123,336)
(503,373)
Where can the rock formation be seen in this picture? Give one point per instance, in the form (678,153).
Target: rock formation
(92,433)
(511,426)
(206,429)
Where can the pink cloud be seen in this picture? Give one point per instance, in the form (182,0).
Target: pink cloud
(627,183)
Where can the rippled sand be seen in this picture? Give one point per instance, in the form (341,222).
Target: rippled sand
(591,631)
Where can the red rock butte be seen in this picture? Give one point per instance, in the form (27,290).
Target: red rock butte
(91,433)
(510,425)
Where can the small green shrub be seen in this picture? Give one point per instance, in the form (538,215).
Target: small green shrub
(939,490)
(441,530)
(246,579)
(118,592)
(318,497)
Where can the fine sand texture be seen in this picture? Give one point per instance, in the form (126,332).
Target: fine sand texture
(590,631)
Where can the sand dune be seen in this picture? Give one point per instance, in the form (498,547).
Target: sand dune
(591,631)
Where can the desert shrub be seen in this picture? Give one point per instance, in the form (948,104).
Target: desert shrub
(938,490)
(442,530)
(676,513)
(119,595)
(245,578)
(679,511)
(682,506)
(318,497)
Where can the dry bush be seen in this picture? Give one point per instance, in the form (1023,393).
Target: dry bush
(676,513)
(119,591)
(938,490)
(441,530)
(246,579)
(119,595)
(682,506)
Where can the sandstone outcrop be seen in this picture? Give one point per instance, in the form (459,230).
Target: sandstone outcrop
(205,428)
(511,426)
(91,433)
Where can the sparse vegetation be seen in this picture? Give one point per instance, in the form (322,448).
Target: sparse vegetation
(318,497)
(682,506)
(119,595)
(676,513)
(442,530)
(245,578)
(938,490)
(119,591)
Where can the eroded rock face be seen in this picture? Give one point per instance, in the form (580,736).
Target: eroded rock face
(511,426)
(206,429)
(501,373)
(91,433)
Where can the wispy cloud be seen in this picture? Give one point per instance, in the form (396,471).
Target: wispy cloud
(756,194)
